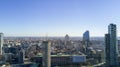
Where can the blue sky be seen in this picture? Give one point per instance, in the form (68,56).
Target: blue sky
(58,17)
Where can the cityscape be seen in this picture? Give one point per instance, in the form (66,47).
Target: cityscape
(61,52)
(59,33)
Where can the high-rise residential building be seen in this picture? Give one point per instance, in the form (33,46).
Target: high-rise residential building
(111,47)
(86,40)
(1,43)
(46,54)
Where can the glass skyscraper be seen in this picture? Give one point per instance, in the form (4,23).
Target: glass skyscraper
(86,39)
(111,47)
(86,36)
(1,43)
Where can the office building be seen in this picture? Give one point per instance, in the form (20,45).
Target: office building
(46,54)
(67,39)
(86,36)
(13,55)
(62,60)
(86,41)
(1,43)
(111,47)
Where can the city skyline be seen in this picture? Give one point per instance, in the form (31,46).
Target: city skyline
(58,18)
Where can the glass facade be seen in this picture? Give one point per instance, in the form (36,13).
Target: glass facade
(1,43)
(111,46)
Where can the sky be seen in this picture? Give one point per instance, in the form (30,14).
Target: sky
(58,17)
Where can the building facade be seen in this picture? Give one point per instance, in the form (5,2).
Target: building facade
(111,47)
(86,41)
(86,36)
(46,54)
(1,43)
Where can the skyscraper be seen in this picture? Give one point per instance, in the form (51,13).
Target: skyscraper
(1,43)
(67,38)
(111,47)
(86,36)
(67,42)
(46,54)
(86,39)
